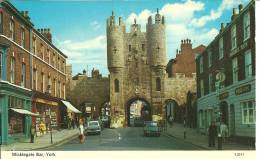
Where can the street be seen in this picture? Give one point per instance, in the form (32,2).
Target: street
(125,139)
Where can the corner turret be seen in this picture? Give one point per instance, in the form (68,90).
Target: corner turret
(115,43)
(156,40)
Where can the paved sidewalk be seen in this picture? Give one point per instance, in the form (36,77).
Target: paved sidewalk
(58,137)
(196,138)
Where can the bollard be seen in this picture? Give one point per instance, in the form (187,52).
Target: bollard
(184,134)
(219,142)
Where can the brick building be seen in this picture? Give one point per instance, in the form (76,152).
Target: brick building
(184,63)
(182,80)
(226,76)
(32,74)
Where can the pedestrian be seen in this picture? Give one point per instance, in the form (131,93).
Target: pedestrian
(77,122)
(184,121)
(212,133)
(223,131)
(32,133)
(81,132)
(73,123)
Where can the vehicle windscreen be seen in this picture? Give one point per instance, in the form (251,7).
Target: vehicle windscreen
(93,124)
(151,124)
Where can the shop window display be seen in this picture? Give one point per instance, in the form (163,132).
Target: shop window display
(47,116)
(16,121)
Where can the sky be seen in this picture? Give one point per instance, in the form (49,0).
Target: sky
(78,27)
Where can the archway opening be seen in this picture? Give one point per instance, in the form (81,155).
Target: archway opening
(171,110)
(224,112)
(139,110)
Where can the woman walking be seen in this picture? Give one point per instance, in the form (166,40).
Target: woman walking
(81,132)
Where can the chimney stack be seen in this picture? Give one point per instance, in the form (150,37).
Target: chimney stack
(222,27)
(234,14)
(240,7)
(46,33)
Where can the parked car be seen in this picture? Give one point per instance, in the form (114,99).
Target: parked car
(93,127)
(151,128)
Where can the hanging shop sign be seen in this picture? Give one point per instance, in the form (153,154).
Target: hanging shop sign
(223,95)
(88,109)
(243,89)
(46,102)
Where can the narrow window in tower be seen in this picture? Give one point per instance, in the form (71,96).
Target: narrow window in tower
(143,47)
(129,48)
(116,85)
(158,84)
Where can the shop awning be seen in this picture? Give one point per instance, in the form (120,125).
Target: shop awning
(71,107)
(23,111)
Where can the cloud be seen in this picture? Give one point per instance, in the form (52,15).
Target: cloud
(95,25)
(175,12)
(141,18)
(178,18)
(86,53)
(214,14)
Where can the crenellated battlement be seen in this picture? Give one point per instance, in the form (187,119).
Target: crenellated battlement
(158,19)
(111,21)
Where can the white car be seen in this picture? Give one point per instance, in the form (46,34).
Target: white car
(93,127)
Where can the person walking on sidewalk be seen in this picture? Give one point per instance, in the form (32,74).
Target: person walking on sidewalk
(223,131)
(81,132)
(212,131)
(32,133)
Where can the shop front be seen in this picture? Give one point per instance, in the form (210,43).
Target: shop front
(234,106)
(47,108)
(15,110)
(69,115)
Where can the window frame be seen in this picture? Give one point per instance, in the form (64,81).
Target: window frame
(23,37)
(235,70)
(23,75)
(210,83)
(116,85)
(247,110)
(11,29)
(248,66)
(209,58)
(221,48)
(202,92)
(246,26)
(233,37)
(158,84)
(12,70)
(201,64)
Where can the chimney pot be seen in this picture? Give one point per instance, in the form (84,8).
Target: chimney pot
(234,11)
(240,7)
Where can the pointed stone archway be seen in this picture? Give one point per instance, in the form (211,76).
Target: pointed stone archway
(138,110)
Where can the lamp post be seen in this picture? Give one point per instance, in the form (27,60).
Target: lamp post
(220,77)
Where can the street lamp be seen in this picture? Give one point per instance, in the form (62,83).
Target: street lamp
(220,78)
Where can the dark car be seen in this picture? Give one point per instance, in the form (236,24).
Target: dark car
(93,127)
(151,129)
